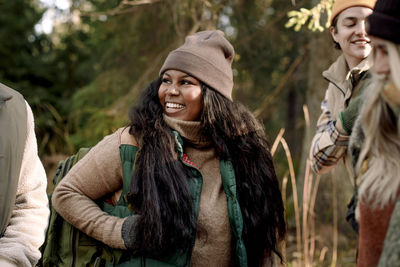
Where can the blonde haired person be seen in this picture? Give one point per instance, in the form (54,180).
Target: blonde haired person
(375,145)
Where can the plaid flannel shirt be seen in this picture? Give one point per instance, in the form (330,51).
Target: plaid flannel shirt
(328,145)
(330,142)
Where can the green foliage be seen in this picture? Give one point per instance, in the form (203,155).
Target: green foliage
(82,79)
(22,65)
(314,16)
(27,61)
(125,51)
(265,51)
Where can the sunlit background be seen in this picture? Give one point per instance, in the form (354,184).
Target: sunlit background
(81,64)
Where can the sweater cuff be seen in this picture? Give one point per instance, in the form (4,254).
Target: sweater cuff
(112,236)
(340,126)
(128,231)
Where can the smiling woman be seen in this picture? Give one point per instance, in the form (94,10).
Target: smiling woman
(203,189)
(180,95)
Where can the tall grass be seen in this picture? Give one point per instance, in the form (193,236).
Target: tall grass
(305,254)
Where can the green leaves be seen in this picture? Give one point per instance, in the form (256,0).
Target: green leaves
(313,16)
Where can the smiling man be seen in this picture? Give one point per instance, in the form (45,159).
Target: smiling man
(347,78)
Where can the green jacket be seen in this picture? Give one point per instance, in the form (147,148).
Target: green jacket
(12,143)
(234,212)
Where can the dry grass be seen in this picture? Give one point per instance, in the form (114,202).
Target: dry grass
(307,253)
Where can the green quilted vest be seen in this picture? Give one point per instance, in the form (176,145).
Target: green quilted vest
(195,183)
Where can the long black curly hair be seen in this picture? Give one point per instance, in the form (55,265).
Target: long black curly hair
(160,191)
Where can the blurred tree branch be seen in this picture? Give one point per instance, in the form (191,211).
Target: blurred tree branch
(195,13)
(299,18)
(286,78)
(138,2)
(122,8)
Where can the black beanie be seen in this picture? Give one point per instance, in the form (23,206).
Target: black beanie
(384,22)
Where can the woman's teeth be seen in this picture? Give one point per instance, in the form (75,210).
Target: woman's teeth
(174,105)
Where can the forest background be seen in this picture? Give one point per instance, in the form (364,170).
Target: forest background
(82,77)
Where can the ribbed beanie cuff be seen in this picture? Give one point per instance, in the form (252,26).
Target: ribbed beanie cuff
(341,5)
(207,56)
(384,22)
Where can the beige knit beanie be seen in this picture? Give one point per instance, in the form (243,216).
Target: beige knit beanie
(341,5)
(207,56)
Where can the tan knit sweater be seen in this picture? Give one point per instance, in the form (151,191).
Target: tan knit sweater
(212,248)
(100,173)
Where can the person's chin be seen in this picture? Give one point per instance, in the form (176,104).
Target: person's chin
(363,51)
(361,55)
